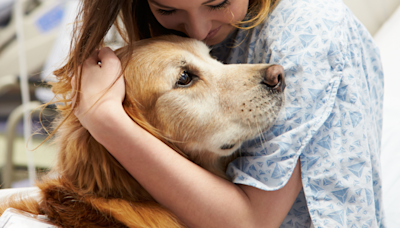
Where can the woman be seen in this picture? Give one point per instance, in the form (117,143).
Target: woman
(331,123)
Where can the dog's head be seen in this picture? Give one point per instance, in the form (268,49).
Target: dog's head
(196,102)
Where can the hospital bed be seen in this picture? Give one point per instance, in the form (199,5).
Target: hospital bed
(40,22)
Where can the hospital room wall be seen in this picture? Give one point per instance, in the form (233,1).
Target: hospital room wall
(372,13)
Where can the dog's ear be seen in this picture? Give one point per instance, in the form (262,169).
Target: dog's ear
(131,105)
(135,113)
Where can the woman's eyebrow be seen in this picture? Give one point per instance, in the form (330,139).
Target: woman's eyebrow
(163,6)
(159,4)
(209,1)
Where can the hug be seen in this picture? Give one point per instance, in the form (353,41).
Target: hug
(285,133)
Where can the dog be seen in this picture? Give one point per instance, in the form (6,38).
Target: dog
(198,106)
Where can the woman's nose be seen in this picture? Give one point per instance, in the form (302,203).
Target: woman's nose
(197,28)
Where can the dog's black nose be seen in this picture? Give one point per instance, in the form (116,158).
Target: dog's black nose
(275,78)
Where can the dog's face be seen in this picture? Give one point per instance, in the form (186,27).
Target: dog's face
(197,102)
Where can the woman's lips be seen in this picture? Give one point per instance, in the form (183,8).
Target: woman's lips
(212,33)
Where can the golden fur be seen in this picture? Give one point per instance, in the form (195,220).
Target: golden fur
(205,121)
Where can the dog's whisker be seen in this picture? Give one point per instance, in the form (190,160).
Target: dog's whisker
(262,137)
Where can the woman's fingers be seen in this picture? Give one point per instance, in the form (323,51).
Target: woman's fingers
(93,58)
(73,93)
(107,56)
(73,85)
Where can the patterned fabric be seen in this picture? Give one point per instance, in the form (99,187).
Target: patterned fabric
(333,114)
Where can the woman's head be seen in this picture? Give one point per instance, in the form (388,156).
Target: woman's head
(207,20)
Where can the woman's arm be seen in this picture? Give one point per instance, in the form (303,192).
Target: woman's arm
(195,195)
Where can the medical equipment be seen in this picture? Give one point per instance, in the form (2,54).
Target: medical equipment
(29,34)
(40,26)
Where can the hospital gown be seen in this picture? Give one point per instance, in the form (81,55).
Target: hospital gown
(332,117)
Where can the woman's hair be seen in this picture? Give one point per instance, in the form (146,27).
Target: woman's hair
(137,22)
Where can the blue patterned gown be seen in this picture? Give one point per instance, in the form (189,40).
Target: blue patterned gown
(333,114)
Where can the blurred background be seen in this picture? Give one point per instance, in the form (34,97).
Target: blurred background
(34,40)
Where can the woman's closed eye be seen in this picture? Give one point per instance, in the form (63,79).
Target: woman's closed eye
(221,5)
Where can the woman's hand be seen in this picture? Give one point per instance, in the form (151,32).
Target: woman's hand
(102,88)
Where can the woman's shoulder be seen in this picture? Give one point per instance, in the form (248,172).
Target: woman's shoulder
(295,26)
(301,26)
(305,16)
(294,11)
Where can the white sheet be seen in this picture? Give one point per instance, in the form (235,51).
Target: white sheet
(388,40)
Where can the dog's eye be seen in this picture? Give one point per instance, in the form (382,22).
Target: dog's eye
(227,146)
(185,79)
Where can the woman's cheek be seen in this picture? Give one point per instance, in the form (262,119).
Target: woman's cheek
(239,10)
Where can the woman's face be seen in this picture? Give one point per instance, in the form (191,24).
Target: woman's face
(207,20)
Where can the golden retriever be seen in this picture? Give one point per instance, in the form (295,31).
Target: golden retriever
(174,89)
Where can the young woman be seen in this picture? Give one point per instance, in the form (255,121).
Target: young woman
(329,131)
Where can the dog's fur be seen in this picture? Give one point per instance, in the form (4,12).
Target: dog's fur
(205,120)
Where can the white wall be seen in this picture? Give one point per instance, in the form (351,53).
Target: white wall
(372,13)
